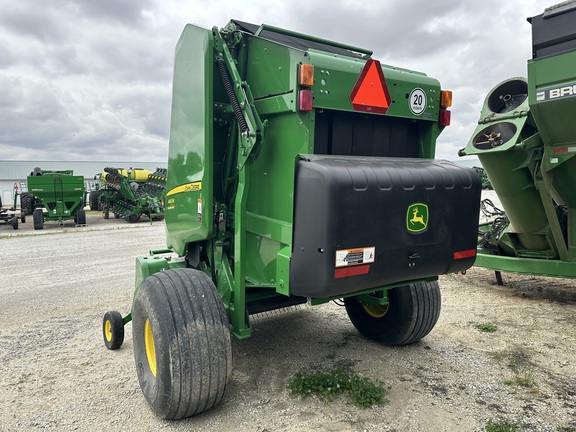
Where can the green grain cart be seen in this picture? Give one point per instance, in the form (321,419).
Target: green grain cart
(54,196)
(526,142)
(300,170)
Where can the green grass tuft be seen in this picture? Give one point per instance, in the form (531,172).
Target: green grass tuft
(486,327)
(340,380)
(502,427)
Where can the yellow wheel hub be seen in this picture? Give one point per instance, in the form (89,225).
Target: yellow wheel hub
(108,330)
(376,311)
(149,344)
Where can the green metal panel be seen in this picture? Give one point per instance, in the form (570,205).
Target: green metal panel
(552,97)
(189,212)
(335,78)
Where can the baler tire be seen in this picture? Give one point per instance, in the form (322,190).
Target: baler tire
(22,217)
(113,330)
(14,222)
(182,345)
(38,219)
(412,313)
(80,218)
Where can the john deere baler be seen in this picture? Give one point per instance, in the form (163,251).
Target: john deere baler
(300,170)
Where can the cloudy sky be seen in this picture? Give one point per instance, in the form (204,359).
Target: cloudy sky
(91,79)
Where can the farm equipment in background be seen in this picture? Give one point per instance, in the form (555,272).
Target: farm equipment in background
(8,216)
(300,171)
(526,142)
(54,196)
(130,194)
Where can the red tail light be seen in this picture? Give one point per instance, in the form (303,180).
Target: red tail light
(305,100)
(444,118)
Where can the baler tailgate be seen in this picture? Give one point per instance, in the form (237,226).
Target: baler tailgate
(365,223)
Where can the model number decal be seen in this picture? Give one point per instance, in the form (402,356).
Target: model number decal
(189,187)
(556,93)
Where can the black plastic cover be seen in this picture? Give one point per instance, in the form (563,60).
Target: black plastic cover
(293,41)
(553,32)
(366,222)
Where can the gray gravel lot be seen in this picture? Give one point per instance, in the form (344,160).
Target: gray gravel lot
(57,375)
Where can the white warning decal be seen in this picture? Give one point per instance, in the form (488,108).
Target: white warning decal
(417,101)
(348,257)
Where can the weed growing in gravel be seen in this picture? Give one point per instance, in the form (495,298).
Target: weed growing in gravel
(340,380)
(523,375)
(486,327)
(502,427)
(524,380)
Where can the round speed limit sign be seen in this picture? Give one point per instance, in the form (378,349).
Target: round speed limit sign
(417,101)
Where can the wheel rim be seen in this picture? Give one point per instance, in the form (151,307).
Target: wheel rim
(149,344)
(376,311)
(108,330)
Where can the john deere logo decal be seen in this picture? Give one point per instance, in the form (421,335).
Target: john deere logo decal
(417,217)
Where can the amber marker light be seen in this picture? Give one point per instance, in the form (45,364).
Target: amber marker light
(446,98)
(305,75)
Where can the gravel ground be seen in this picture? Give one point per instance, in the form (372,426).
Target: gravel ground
(56,373)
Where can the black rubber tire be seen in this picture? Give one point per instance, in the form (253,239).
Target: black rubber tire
(38,218)
(412,313)
(135,217)
(26,203)
(14,222)
(113,330)
(192,353)
(94,200)
(22,217)
(80,217)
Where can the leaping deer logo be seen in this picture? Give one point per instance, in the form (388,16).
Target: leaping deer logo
(417,217)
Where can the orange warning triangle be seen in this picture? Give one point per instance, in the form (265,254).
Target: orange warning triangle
(370,93)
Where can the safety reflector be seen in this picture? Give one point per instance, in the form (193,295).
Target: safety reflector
(465,254)
(305,100)
(444,117)
(351,271)
(564,150)
(370,93)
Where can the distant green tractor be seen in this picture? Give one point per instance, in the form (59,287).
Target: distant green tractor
(54,196)
(129,194)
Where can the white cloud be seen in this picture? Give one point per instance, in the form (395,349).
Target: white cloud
(89,80)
